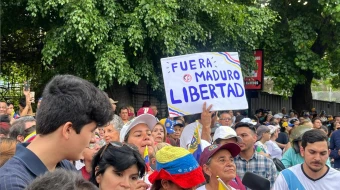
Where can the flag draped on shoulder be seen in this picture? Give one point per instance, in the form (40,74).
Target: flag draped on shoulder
(195,145)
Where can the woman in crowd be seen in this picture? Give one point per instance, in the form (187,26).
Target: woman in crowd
(218,160)
(178,128)
(138,132)
(88,154)
(7,149)
(263,135)
(176,169)
(273,149)
(118,166)
(111,131)
(159,133)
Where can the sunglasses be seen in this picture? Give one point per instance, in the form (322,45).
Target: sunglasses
(118,145)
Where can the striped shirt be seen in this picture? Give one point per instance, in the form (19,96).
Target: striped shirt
(23,168)
(257,164)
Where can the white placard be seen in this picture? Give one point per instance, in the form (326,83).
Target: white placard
(214,77)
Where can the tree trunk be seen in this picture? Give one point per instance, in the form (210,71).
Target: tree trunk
(302,98)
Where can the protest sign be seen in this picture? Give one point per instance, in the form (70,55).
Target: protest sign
(214,77)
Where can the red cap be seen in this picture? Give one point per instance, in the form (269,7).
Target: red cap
(144,110)
(209,151)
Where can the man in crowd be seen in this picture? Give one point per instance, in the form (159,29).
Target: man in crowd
(124,114)
(313,173)
(19,128)
(225,119)
(154,110)
(317,123)
(250,161)
(71,111)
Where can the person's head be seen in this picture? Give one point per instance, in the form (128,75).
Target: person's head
(176,169)
(112,130)
(314,149)
(274,132)
(295,122)
(225,119)
(131,112)
(296,135)
(154,110)
(248,135)
(61,179)
(301,119)
(224,135)
(7,149)
(337,118)
(10,109)
(22,103)
(178,128)
(138,131)
(336,125)
(113,104)
(218,160)
(324,129)
(263,133)
(152,156)
(3,108)
(159,133)
(90,151)
(17,131)
(71,111)
(146,103)
(117,166)
(124,113)
(317,123)
(230,112)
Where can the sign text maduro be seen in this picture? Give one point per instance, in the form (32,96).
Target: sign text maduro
(215,78)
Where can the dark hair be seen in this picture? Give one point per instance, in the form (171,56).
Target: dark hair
(22,102)
(123,108)
(118,155)
(146,104)
(192,118)
(313,136)
(61,179)
(242,124)
(316,118)
(71,99)
(5,118)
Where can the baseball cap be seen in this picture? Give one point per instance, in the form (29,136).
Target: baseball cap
(225,132)
(169,126)
(260,130)
(248,120)
(278,116)
(144,110)
(209,151)
(148,119)
(176,123)
(285,124)
(112,101)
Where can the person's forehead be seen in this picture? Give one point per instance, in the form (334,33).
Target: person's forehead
(124,110)
(221,153)
(3,103)
(225,115)
(243,130)
(140,127)
(320,146)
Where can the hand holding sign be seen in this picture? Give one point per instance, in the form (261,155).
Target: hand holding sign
(206,122)
(215,78)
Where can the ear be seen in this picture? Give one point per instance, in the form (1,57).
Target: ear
(206,170)
(254,138)
(165,184)
(302,151)
(99,177)
(67,130)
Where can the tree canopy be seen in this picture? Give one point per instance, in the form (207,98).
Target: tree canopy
(303,46)
(109,40)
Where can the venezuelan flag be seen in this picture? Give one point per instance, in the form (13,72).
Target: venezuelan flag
(146,158)
(195,146)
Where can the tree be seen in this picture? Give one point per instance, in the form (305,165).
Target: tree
(109,40)
(304,45)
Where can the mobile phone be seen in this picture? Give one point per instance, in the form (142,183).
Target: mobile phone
(26,86)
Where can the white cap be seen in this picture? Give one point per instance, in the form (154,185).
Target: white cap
(273,128)
(147,119)
(248,120)
(225,132)
(278,116)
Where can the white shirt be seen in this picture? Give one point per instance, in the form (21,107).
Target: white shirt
(188,133)
(329,181)
(274,150)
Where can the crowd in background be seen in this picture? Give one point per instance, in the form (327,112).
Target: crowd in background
(76,127)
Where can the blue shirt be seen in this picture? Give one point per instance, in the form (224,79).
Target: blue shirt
(334,145)
(23,168)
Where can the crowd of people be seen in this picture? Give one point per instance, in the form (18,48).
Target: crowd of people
(75,140)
